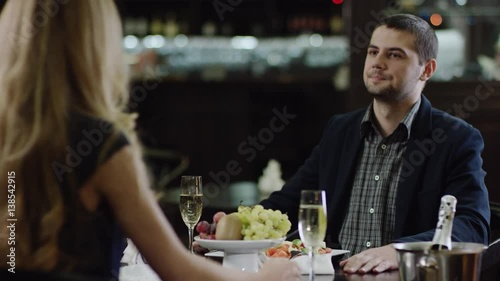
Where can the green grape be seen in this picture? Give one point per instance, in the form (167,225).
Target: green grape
(259,223)
(269,224)
(263,216)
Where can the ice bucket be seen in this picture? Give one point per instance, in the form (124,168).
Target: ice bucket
(418,263)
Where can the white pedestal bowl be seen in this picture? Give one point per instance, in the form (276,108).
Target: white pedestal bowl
(240,254)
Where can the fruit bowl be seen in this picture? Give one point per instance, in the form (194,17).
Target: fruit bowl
(240,254)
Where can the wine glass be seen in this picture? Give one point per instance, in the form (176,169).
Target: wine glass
(191,203)
(312,222)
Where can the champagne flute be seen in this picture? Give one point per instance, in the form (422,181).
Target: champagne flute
(191,203)
(312,222)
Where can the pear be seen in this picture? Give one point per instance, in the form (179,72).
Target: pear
(229,228)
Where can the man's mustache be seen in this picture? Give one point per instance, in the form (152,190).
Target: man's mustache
(378,74)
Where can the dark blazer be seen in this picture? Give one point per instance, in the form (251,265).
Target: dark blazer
(443,156)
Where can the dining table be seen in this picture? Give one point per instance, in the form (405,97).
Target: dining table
(142,272)
(233,195)
(340,275)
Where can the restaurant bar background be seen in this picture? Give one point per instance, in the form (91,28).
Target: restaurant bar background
(224,86)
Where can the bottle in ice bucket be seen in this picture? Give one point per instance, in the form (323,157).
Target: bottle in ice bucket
(442,236)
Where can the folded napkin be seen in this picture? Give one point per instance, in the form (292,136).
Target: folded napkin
(131,254)
(322,264)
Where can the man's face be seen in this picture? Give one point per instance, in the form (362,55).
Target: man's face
(392,70)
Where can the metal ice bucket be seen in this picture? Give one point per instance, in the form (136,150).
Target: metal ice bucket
(417,263)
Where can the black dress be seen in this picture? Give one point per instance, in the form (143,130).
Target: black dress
(91,243)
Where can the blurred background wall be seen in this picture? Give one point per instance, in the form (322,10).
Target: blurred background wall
(208,73)
(209,76)
(214,82)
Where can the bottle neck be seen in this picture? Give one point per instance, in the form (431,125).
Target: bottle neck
(442,236)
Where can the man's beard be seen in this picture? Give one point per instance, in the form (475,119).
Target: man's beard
(387,94)
(390,94)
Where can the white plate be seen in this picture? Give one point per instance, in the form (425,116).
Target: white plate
(322,263)
(215,254)
(220,254)
(339,252)
(238,246)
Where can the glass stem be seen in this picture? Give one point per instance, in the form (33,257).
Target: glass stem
(191,239)
(311,269)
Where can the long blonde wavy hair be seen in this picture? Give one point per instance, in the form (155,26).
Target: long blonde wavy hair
(57,57)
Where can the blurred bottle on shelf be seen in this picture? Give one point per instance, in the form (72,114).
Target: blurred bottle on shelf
(209,28)
(142,26)
(321,25)
(291,25)
(171,28)
(129,26)
(257,30)
(156,26)
(277,25)
(336,25)
(227,29)
(301,24)
(183,27)
(136,26)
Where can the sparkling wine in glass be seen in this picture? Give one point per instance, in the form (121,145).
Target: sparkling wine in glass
(312,222)
(191,203)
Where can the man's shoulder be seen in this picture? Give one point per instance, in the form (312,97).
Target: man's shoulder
(449,123)
(455,131)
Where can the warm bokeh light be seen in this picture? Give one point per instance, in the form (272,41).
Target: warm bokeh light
(436,19)
(338,2)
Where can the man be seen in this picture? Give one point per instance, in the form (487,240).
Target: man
(384,168)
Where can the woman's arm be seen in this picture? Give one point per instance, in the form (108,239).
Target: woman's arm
(124,184)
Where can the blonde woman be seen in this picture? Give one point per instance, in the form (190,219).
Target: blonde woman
(70,162)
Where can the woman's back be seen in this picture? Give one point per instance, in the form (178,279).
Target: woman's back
(61,63)
(91,242)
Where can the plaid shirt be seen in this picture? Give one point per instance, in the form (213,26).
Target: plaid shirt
(370,218)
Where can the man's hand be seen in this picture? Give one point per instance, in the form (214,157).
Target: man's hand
(199,250)
(375,260)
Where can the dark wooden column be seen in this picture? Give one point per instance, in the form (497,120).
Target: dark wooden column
(360,17)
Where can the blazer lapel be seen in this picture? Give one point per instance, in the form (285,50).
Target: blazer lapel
(343,185)
(413,162)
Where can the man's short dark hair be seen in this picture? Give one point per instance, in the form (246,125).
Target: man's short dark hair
(426,42)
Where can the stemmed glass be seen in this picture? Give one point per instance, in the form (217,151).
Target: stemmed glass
(312,222)
(191,203)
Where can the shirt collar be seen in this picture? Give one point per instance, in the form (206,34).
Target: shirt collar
(368,123)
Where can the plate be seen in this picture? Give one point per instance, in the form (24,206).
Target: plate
(220,254)
(238,246)
(336,252)
(215,254)
(240,254)
(322,262)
